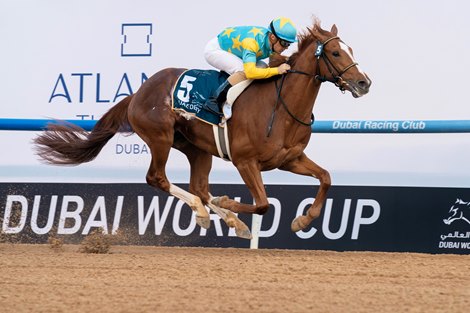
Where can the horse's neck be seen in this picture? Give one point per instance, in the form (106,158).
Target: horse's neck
(306,61)
(303,88)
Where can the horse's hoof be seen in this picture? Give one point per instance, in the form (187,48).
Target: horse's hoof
(241,229)
(203,221)
(216,201)
(299,223)
(232,220)
(243,233)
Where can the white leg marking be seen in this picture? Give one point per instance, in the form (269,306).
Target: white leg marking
(223,213)
(232,220)
(193,201)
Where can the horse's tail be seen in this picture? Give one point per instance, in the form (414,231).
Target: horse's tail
(68,144)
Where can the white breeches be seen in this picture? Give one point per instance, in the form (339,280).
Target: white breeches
(223,60)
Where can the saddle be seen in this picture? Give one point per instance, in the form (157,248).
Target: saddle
(195,86)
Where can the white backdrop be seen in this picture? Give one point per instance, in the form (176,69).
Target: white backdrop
(63,59)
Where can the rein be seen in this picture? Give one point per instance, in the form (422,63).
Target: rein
(280,99)
(335,79)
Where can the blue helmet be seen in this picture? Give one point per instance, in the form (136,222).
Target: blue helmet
(283,28)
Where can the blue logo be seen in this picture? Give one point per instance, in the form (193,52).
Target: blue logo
(136,40)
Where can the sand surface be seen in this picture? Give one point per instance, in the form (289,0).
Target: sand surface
(37,278)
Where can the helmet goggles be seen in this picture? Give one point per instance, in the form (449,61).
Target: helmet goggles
(282,42)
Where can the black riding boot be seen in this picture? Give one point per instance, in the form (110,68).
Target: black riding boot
(216,101)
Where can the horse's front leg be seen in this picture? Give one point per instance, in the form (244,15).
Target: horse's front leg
(304,166)
(251,175)
(241,230)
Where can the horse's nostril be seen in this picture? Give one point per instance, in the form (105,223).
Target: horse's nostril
(363,84)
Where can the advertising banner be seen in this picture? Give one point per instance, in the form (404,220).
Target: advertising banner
(398,219)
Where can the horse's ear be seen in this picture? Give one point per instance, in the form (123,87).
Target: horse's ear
(334,30)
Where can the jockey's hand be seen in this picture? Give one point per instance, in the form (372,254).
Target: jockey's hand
(283,68)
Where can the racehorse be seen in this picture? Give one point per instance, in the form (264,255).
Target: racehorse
(269,129)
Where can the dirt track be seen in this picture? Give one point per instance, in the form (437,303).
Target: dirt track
(35,278)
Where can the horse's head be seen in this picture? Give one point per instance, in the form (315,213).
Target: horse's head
(336,62)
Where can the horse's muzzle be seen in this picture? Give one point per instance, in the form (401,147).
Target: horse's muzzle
(358,88)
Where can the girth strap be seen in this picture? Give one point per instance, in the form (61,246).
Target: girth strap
(222,142)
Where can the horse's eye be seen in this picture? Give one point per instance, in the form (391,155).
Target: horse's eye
(336,54)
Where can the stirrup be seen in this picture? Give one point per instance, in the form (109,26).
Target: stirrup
(227,110)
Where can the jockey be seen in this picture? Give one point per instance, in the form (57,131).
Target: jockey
(239,51)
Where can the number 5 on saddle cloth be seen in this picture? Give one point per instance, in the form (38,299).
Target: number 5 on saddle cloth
(192,89)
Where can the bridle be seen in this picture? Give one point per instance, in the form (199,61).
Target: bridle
(337,80)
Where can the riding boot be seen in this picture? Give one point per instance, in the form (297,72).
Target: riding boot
(215,102)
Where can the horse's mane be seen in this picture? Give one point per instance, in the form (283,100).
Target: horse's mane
(306,38)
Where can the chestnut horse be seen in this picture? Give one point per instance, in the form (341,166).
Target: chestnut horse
(269,129)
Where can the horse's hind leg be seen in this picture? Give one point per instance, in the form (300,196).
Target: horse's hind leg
(151,117)
(201,164)
(156,177)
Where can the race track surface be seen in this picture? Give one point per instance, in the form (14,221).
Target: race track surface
(37,278)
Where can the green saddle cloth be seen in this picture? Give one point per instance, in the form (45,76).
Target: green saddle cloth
(192,90)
